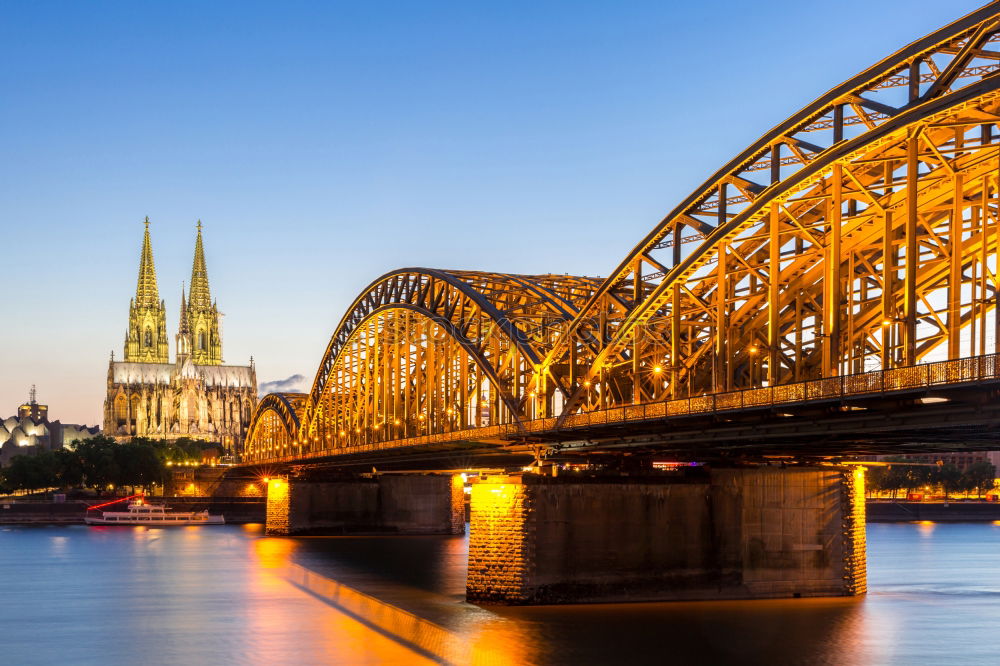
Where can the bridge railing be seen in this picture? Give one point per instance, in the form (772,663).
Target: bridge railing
(928,375)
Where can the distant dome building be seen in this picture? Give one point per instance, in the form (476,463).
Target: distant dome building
(196,396)
(31,431)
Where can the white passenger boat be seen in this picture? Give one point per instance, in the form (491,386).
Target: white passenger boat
(140,513)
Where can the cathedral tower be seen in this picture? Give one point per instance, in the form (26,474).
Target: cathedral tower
(146,338)
(201,317)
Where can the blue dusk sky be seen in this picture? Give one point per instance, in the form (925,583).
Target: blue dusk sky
(326,143)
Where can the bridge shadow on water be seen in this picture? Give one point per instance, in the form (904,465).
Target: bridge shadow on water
(412,589)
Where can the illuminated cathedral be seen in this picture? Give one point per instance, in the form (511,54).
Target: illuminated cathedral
(196,396)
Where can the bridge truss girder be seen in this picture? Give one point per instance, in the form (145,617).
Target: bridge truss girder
(275,425)
(681,315)
(424,351)
(880,262)
(860,234)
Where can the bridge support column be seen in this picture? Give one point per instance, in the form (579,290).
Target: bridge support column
(382,504)
(751,533)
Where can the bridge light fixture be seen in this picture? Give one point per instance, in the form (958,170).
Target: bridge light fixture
(342,433)
(532,394)
(886,322)
(421,417)
(357,431)
(657,369)
(753,349)
(586,384)
(396,422)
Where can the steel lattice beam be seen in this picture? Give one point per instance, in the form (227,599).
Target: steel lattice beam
(870,244)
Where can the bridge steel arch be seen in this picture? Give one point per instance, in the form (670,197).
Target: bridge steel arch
(424,351)
(275,425)
(860,233)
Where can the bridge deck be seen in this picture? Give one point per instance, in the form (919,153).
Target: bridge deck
(928,406)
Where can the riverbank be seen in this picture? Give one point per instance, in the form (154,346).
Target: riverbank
(236,510)
(904,512)
(241,510)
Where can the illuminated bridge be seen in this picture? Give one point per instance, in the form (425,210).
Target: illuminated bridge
(847,257)
(830,290)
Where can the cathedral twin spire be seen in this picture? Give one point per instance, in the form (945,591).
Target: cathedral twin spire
(146,337)
(198,335)
(146,293)
(201,314)
(199,297)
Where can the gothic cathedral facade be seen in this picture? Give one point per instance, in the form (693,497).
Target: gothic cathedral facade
(196,396)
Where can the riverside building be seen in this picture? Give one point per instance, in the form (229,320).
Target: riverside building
(31,431)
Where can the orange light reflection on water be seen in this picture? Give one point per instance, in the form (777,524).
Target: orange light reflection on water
(497,640)
(827,628)
(487,639)
(523,635)
(281,611)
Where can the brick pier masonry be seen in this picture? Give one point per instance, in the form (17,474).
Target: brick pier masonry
(748,533)
(372,504)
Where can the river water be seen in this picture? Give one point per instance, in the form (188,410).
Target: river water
(227,595)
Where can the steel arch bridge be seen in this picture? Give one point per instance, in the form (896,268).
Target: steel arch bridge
(852,245)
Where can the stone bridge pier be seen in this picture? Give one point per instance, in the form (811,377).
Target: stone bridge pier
(739,533)
(745,533)
(366,504)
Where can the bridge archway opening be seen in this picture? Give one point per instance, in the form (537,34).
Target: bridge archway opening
(274,429)
(404,374)
(866,267)
(858,234)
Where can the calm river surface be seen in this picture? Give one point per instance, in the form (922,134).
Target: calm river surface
(78,595)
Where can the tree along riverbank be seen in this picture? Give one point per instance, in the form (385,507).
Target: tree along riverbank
(101,463)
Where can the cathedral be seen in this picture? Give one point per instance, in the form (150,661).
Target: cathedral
(196,396)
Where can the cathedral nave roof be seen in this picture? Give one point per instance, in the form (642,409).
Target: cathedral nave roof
(229,376)
(128,372)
